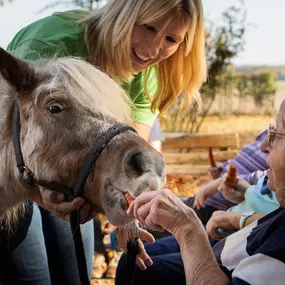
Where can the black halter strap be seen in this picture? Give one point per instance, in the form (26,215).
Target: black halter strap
(88,166)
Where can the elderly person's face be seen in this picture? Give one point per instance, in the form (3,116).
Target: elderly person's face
(274,145)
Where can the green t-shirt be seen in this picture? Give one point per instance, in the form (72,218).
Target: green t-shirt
(58,36)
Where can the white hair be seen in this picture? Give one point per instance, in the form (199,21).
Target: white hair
(90,87)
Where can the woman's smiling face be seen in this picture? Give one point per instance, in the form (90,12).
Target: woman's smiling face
(274,145)
(153,42)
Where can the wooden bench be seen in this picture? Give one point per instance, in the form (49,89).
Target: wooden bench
(188,153)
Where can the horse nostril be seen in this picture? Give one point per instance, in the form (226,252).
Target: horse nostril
(136,162)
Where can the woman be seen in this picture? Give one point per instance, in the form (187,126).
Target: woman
(253,255)
(153,48)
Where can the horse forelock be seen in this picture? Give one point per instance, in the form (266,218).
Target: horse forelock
(86,86)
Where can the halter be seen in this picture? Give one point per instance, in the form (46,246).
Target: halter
(70,193)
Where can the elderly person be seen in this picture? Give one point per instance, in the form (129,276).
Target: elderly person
(253,255)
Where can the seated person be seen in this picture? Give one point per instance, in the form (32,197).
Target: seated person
(258,201)
(254,255)
(251,164)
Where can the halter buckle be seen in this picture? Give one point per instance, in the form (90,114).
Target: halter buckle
(27,175)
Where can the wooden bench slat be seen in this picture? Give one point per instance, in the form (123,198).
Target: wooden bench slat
(186,169)
(198,157)
(227,140)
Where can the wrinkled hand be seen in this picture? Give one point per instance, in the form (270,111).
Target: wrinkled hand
(54,202)
(215,172)
(199,199)
(206,191)
(222,220)
(162,210)
(143,258)
(235,194)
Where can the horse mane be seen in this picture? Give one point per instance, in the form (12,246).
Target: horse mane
(97,90)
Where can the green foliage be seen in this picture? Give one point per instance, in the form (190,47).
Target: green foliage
(279,71)
(263,85)
(260,86)
(242,84)
(223,44)
(84,4)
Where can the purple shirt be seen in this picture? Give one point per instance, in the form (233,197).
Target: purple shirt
(251,164)
(156,133)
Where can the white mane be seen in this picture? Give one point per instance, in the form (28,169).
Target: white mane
(90,87)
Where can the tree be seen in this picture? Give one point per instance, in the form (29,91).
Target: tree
(263,85)
(242,85)
(223,44)
(85,4)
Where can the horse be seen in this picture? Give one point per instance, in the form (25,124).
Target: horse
(64,106)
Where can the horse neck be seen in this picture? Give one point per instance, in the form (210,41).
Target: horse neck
(11,191)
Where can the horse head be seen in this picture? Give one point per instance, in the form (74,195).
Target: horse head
(65,105)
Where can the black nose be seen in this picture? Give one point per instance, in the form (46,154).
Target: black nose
(142,161)
(137,163)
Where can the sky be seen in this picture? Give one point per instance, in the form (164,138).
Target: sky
(265,40)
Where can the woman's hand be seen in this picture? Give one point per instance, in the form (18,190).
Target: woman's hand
(162,210)
(222,220)
(53,201)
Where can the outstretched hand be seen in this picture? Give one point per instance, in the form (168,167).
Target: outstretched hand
(162,210)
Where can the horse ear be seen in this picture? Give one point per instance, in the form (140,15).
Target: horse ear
(18,73)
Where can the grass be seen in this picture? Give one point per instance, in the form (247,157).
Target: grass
(240,124)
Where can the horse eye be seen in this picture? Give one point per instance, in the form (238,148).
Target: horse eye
(55,109)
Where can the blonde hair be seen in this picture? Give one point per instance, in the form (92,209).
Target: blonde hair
(108,37)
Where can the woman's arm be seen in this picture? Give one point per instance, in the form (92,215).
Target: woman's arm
(142,130)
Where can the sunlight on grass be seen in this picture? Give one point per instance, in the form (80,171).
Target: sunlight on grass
(254,124)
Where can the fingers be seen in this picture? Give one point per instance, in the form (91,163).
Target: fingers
(196,204)
(213,233)
(199,201)
(142,199)
(64,209)
(143,258)
(68,207)
(211,229)
(52,196)
(146,236)
(140,263)
(151,224)
(142,213)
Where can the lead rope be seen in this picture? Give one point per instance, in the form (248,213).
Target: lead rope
(79,248)
(132,252)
